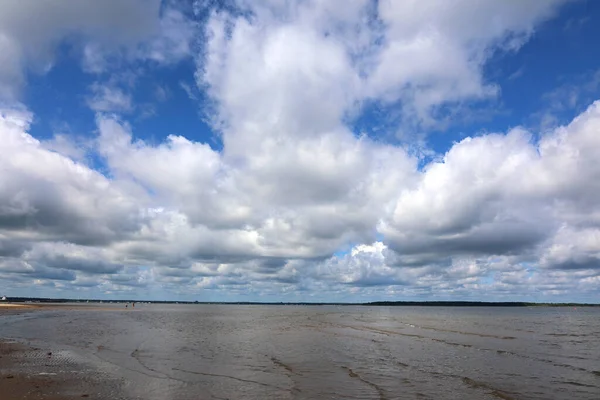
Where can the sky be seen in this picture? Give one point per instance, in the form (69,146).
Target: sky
(300,151)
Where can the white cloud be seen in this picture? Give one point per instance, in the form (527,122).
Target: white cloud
(433,53)
(572,248)
(68,256)
(109,99)
(175,40)
(301,199)
(502,214)
(68,145)
(47,196)
(507,195)
(305,61)
(30,32)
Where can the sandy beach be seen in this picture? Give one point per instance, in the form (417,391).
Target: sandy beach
(25,370)
(12,305)
(33,372)
(64,306)
(16,383)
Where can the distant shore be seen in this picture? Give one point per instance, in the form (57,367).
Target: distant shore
(36,302)
(66,351)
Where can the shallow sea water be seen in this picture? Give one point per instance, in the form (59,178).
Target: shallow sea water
(180,352)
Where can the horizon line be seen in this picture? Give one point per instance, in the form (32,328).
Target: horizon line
(458,303)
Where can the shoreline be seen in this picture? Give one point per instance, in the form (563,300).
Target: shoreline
(6,307)
(13,305)
(36,302)
(32,373)
(29,372)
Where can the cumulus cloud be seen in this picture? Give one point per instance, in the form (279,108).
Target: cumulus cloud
(501,194)
(30,32)
(296,202)
(433,53)
(418,58)
(44,194)
(499,213)
(305,198)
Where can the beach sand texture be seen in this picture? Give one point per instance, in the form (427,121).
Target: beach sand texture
(32,373)
(29,372)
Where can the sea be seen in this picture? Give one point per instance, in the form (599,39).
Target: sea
(180,352)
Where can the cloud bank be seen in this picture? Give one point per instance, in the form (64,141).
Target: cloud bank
(297,204)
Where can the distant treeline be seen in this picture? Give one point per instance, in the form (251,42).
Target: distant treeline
(375,303)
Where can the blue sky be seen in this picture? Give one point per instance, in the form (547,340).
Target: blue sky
(300,151)
(525,77)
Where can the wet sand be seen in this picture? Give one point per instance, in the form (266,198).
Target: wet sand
(33,373)
(189,352)
(12,305)
(66,306)
(29,372)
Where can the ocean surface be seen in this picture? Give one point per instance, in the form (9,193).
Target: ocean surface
(179,352)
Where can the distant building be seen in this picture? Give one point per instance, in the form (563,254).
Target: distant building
(3,298)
